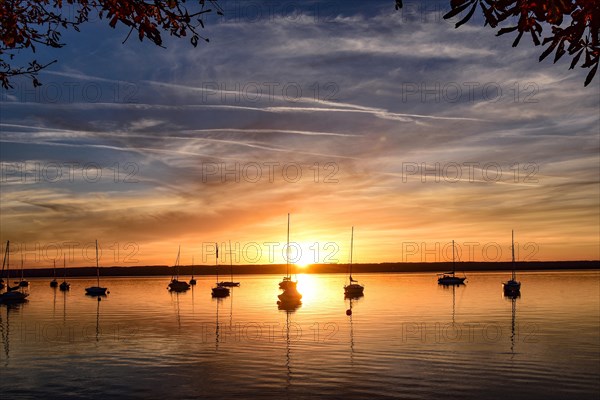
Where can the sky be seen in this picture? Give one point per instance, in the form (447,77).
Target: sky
(342,114)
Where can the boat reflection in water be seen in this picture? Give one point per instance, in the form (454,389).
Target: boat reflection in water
(10,308)
(512,296)
(350,313)
(289,305)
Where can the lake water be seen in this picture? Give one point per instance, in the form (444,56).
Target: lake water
(406,338)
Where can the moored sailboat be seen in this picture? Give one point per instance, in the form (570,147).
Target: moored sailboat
(96,290)
(450,278)
(230,283)
(290,298)
(12,294)
(353,288)
(287,282)
(512,286)
(218,290)
(64,286)
(176,285)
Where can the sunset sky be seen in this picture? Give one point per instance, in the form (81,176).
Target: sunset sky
(396,123)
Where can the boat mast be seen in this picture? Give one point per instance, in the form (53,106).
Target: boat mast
(7,265)
(64,269)
(4,262)
(231,260)
(175,275)
(351,248)
(287,250)
(21,266)
(97,266)
(513,254)
(453,262)
(7,255)
(192,267)
(217,261)
(54,269)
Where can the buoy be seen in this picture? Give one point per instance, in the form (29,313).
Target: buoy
(348,312)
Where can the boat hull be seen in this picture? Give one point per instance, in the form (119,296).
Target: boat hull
(178,286)
(23,284)
(220,291)
(228,284)
(13,297)
(53,283)
(354,290)
(289,296)
(451,280)
(64,286)
(289,306)
(289,300)
(511,286)
(287,284)
(95,291)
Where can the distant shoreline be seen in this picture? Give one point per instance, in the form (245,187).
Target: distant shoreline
(269,269)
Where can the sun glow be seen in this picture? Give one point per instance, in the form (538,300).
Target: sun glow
(304,262)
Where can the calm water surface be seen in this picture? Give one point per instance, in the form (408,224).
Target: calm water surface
(406,338)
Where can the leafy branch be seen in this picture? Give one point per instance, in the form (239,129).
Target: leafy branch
(27,24)
(580,37)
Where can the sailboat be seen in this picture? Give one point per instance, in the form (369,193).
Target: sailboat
(290,298)
(176,285)
(230,283)
(352,289)
(54,282)
(512,286)
(22,282)
(218,290)
(64,286)
(450,278)
(287,282)
(12,294)
(96,290)
(192,280)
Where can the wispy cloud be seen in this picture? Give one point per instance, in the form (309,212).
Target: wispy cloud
(399,125)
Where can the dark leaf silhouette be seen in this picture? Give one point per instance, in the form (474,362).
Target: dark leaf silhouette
(581,36)
(26,24)
(590,76)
